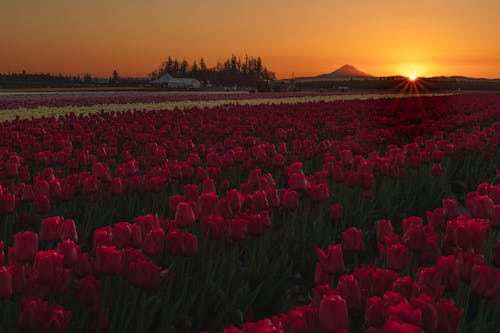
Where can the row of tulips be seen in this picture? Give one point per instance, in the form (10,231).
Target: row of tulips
(16,101)
(442,276)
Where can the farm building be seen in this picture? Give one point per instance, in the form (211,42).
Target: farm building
(169,81)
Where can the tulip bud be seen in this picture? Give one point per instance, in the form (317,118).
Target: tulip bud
(50,230)
(184,215)
(333,315)
(353,240)
(25,245)
(144,274)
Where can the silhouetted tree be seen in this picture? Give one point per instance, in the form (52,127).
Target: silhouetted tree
(229,72)
(114,77)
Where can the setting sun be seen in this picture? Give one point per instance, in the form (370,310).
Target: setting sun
(412,77)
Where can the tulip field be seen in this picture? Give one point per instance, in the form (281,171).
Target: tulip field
(365,215)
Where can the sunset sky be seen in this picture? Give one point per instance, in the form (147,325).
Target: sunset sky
(380,37)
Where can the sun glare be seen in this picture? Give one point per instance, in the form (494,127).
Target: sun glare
(412,77)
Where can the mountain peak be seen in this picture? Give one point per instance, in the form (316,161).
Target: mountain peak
(348,71)
(344,73)
(347,67)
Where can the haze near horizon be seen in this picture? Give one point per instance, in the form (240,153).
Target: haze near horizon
(389,37)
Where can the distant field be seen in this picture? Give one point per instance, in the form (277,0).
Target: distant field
(181,103)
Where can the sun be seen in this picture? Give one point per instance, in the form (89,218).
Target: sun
(412,77)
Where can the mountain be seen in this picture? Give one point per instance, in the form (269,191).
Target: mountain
(346,72)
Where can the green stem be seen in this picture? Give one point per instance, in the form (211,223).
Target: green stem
(142,311)
(479,320)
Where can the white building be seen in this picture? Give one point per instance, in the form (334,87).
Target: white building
(169,81)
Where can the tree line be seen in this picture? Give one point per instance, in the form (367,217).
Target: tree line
(232,71)
(47,80)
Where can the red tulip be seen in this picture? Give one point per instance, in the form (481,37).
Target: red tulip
(392,326)
(397,257)
(346,157)
(384,228)
(32,313)
(481,206)
(437,219)
(258,223)
(319,192)
(415,238)
(18,278)
(122,235)
(404,286)
(184,215)
(405,313)
(174,242)
(173,201)
(67,230)
(191,192)
(207,203)
(333,315)
(353,240)
(450,209)
(374,313)
(5,283)
(429,312)
(25,245)
(319,292)
(298,182)
(83,265)
(350,290)
(8,203)
(70,252)
(235,198)
(190,244)
(47,265)
(28,194)
(437,170)
(237,229)
(213,226)
(208,186)
(116,186)
(333,263)
(259,201)
(485,281)
(108,260)
(89,290)
(57,320)
(147,222)
(51,228)
(144,274)
(103,236)
(290,200)
(448,316)
(153,242)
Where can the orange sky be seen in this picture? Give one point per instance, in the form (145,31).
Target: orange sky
(380,37)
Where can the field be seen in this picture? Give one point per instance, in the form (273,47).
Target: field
(249,213)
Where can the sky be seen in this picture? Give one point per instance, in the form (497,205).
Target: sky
(303,38)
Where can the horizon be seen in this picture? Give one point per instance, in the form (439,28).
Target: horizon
(457,38)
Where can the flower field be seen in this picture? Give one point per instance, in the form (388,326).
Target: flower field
(27,106)
(376,215)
